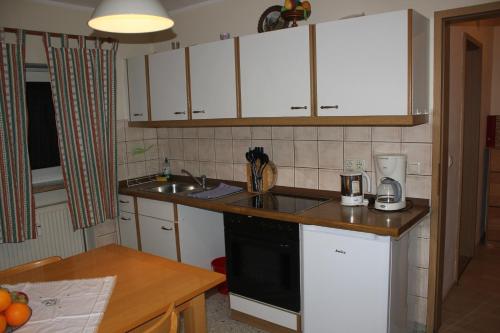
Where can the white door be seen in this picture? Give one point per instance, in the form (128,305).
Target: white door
(137,89)
(201,236)
(345,281)
(167,80)
(128,230)
(213,80)
(362,65)
(275,75)
(158,237)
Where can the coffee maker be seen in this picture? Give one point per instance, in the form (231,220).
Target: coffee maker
(391,181)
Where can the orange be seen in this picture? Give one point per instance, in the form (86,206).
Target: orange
(17,314)
(3,323)
(5,299)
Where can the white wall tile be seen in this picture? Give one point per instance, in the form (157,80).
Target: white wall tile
(420,133)
(241,133)
(208,169)
(223,133)
(358,134)
(418,281)
(286,176)
(418,186)
(329,179)
(240,172)
(418,252)
(417,309)
(190,133)
(176,149)
(305,133)
(331,154)
(206,149)
(306,178)
(359,151)
(193,167)
(175,133)
(306,154)
(387,134)
(419,154)
(331,133)
(282,133)
(261,133)
(223,150)
(224,171)
(206,132)
(240,148)
(283,153)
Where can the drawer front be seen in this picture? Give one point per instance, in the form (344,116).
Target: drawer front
(158,237)
(128,230)
(157,209)
(126,203)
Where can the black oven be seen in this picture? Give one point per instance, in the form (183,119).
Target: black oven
(263,261)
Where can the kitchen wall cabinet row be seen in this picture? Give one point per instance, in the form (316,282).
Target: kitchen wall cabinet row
(375,65)
(181,233)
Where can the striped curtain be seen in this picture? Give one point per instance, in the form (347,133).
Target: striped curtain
(17,219)
(83,84)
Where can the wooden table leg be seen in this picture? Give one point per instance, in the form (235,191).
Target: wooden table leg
(195,320)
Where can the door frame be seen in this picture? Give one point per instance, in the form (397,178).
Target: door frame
(467,38)
(442,20)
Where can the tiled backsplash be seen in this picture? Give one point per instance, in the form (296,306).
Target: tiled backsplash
(309,157)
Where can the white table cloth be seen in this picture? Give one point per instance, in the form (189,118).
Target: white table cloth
(71,306)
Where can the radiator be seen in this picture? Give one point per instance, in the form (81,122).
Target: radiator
(56,238)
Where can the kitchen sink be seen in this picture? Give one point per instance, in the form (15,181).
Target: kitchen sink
(175,188)
(178,188)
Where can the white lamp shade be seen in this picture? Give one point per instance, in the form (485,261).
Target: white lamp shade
(130,16)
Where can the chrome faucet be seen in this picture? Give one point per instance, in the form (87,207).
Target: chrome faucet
(202,182)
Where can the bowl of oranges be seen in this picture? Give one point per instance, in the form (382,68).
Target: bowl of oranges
(14,310)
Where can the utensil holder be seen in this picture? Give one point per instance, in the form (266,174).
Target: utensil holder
(268,181)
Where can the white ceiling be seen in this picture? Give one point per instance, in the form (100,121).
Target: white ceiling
(169,4)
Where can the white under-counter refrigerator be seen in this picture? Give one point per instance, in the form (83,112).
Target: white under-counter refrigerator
(353,282)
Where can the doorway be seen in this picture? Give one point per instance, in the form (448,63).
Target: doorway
(468,192)
(471,149)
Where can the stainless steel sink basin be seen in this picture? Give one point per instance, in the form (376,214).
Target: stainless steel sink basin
(175,188)
(178,188)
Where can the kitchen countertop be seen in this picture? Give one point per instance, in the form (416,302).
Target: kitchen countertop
(328,214)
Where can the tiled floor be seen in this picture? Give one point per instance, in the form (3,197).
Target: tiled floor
(474,304)
(218,320)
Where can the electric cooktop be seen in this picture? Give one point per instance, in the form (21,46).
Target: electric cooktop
(280,202)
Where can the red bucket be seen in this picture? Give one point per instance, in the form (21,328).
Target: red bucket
(219,266)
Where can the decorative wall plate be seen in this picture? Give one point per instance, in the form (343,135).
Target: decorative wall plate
(271,20)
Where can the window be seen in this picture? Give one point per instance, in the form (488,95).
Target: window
(42,133)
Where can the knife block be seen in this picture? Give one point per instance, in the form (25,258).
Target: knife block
(269,177)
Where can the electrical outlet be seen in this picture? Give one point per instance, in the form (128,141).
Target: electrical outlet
(354,165)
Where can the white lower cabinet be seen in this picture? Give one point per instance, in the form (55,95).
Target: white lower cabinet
(128,230)
(353,282)
(157,227)
(158,237)
(201,236)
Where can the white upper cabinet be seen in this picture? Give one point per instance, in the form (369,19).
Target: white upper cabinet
(213,80)
(167,77)
(363,64)
(137,89)
(275,73)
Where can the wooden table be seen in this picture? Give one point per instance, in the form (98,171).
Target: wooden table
(145,285)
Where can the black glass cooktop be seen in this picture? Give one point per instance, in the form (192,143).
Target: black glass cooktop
(280,202)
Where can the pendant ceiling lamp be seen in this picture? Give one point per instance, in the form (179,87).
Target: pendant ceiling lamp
(130,16)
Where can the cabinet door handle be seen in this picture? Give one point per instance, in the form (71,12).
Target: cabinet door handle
(180,112)
(199,111)
(323,107)
(339,251)
(298,107)
(137,114)
(165,228)
(123,201)
(125,219)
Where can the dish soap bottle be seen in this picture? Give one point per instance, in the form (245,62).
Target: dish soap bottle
(166,169)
